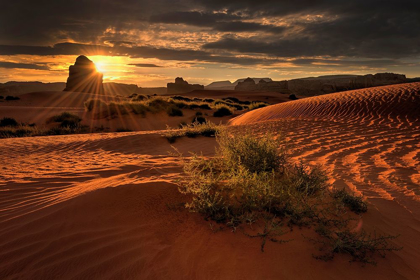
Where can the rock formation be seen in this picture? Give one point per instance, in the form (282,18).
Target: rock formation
(181,86)
(263,85)
(83,77)
(322,85)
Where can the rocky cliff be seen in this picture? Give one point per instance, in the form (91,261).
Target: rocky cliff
(322,85)
(181,86)
(83,77)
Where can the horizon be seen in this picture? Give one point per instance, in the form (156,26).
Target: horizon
(149,44)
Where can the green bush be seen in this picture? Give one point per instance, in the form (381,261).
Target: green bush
(8,122)
(255,154)
(222,111)
(250,181)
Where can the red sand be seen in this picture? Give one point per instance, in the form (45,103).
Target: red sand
(105,206)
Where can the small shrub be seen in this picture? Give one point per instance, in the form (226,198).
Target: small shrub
(173,111)
(66,119)
(207,129)
(8,122)
(197,114)
(222,111)
(10,98)
(256,105)
(139,97)
(1,97)
(354,203)
(255,154)
(292,97)
(204,107)
(138,108)
(199,120)
(361,246)
(123,129)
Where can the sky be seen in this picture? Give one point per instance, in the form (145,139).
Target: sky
(149,43)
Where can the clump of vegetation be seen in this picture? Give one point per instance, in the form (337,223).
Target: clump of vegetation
(222,111)
(123,129)
(174,111)
(1,97)
(10,98)
(293,97)
(354,203)
(199,120)
(251,185)
(66,119)
(257,105)
(8,122)
(207,129)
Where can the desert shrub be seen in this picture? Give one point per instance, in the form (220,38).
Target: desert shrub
(8,122)
(10,98)
(251,182)
(361,246)
(157,104)
(199,120)
(66,119)
(95,104)
(173,111)
(256,105)
(1,97)
(123,129)
(222,111)
(292,97)
(354,203)
(255,154)
(138,108)
(178,97)
(198,114)
(204,107)
(232,99)
(208,100)
(207,129)
(139,97)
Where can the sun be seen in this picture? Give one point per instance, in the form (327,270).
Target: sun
(100,66)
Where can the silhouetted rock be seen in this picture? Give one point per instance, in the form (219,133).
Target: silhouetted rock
(83,77)
(181,86)
(262,85)
(323,84)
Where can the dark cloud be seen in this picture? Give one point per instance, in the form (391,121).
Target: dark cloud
(358,29)
(134,52)
(13,65)
(192,18)
(144,65)
(222,22)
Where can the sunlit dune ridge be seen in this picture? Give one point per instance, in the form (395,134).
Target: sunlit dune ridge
(391,105)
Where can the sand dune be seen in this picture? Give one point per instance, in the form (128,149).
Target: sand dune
(105,206)
(394,105)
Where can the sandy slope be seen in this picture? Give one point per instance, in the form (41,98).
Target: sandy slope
(104,206)
(37,107)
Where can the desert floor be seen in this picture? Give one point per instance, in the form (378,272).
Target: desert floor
(106,206)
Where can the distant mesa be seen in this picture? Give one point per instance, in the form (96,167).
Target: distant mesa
(181,86)
(83,77)
(323,84)
(227,85)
